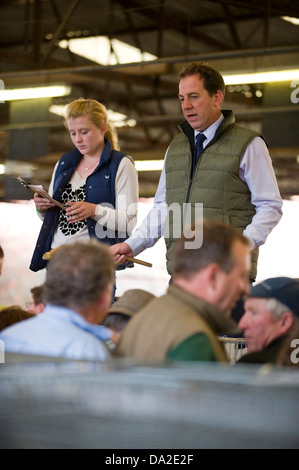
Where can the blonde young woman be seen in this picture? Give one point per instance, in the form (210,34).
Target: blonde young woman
(96,182)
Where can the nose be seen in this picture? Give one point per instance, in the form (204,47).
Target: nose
(186,103)
(242,322)
(246,317)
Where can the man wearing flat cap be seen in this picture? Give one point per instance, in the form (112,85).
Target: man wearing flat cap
(270,312)
(122,310)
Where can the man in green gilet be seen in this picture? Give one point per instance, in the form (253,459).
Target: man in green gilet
(210,273)
(231,175)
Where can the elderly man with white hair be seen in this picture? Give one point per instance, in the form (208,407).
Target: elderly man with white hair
(270,312)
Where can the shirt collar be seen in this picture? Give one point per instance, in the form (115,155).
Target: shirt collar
(70,316)
(210,131)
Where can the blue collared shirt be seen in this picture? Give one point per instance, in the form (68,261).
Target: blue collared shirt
(57,332)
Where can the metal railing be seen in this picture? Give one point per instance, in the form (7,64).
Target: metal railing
(234,348)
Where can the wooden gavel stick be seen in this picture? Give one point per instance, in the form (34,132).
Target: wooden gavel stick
(139,261)
(48,255)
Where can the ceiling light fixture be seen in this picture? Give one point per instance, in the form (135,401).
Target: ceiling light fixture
(149,165)
(117,119)
(291,19)
(261,77)
(105,51)
(34,93)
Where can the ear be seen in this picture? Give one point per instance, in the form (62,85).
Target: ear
(213,274)
(104,128)
(105,298)
(218,98)
(40,308)
(286,322)
(98,311)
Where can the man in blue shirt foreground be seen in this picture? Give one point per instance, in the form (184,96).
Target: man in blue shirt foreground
(78,291)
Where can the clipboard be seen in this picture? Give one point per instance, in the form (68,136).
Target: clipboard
(41,192)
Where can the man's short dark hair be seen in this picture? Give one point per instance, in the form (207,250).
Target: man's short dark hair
(212,79)
(37,294)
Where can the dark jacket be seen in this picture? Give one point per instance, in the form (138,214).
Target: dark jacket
(267,355)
